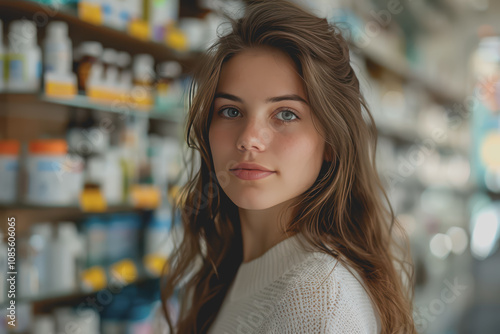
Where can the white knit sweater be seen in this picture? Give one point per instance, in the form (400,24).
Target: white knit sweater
(292,290)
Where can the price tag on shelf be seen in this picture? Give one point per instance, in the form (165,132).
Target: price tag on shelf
(90,12)
(124,270)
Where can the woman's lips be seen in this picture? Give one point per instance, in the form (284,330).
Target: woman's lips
(250,174)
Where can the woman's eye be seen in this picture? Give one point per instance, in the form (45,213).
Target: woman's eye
(231,114)
(287,116)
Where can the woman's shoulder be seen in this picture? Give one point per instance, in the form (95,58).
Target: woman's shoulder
(327,277)
(323,296)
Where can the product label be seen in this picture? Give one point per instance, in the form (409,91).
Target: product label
(48,166)
(16,69)
(58,59)
(8,180)
(11,166)
(46,182)
(60,89)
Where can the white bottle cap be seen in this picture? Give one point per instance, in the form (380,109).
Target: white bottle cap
(63,315)
(123,59)
(43,324)
(109,56)
(89,320)
(44,229)
(143,67)
(57,29)
(23,34)
(67,230)
(93,49)
(170,69)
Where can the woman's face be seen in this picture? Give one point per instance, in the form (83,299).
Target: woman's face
(261,115)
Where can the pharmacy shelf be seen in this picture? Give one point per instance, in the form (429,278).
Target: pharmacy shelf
(121,40)
(79,101)
(82,30)
(71,297)
(410,136)
(73,207)
(398,65)
(414,182)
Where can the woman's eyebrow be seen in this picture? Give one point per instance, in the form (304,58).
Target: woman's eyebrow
(289,97)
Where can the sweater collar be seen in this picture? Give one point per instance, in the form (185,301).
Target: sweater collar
(255,275)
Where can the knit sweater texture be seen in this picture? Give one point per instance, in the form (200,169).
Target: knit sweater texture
(291,289)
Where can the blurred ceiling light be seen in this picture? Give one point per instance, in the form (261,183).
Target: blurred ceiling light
(459,239)
(440,245)
(484,233)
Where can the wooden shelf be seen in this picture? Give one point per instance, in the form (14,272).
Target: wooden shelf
(55,104)
(74,207)
(48,301)
(80,101)
(80,31)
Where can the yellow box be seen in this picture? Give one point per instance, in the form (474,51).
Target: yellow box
(90,12)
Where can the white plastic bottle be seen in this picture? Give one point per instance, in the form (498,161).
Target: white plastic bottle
(41,235)
(43,324)
(63,259)
(24,57)
(57,48)
(27,274)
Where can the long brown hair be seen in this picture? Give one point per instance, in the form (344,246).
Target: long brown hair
(345,213)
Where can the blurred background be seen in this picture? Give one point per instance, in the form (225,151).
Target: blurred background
(92,110)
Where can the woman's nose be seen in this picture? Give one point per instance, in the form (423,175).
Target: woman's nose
(255,135)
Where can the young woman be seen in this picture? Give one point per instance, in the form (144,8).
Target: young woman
(285,229)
